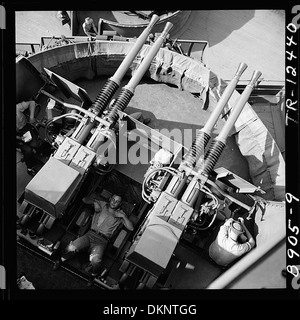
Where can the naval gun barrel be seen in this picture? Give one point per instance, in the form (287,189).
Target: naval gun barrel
(127,91)
(192,191)
(113,83)
(218,144)
(119,74)
(203,136)
(200,142)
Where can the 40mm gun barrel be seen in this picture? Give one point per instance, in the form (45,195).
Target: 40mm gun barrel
(203,136)
(219,143)
(112,84)
(192,191)
(200,142)
(127,92)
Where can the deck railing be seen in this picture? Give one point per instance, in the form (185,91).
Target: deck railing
(181,46)
(25,49)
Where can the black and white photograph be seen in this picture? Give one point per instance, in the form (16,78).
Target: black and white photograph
(152,149)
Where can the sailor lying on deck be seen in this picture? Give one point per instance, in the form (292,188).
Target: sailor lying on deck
(106,219)
(226,247)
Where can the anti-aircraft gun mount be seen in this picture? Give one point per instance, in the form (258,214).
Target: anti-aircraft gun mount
(188,197)
(53,190)
(182,198)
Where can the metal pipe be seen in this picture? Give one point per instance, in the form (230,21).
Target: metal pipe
(247,263)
